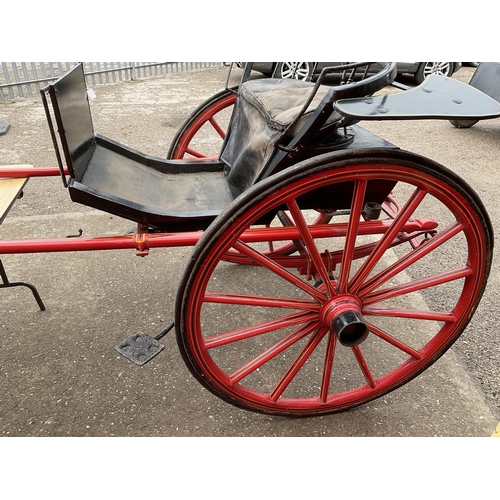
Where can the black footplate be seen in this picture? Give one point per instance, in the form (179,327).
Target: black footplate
(437,98)
(139,348)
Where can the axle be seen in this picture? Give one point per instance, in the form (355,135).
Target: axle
(342,315)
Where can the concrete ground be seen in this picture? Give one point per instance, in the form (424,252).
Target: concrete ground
(60,374)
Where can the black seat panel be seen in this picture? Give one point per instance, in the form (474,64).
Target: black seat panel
(171,195)
(437,97)
(74,120)
(162,197)
(122,177)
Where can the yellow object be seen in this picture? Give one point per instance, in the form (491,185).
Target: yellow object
(10,188)
(496,432)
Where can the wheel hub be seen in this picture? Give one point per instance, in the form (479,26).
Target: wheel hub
(343,316)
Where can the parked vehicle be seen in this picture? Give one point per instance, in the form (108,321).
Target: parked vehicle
(304,70)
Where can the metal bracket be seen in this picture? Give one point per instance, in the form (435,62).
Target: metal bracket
(139,348)
(141,240)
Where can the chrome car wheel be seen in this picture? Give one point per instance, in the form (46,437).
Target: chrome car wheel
(433,68)
(297,70)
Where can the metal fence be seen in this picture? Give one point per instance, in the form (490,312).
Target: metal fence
(25,79)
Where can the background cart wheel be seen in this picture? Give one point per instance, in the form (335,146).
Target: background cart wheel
(203,133)
(367,307)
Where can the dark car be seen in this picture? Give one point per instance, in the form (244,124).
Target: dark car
(304,70)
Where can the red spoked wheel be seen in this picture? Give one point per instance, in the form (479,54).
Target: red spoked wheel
(203,133)
(359,313)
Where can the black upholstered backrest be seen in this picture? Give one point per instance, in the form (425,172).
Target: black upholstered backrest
(74,121)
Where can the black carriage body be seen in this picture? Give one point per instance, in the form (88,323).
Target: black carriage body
(114,178)
(275,125)
(183,195)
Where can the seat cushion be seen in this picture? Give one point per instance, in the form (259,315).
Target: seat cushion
(263,111)
(280,101)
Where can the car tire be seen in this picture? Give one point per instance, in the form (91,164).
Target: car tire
(433,68)
(297,70)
